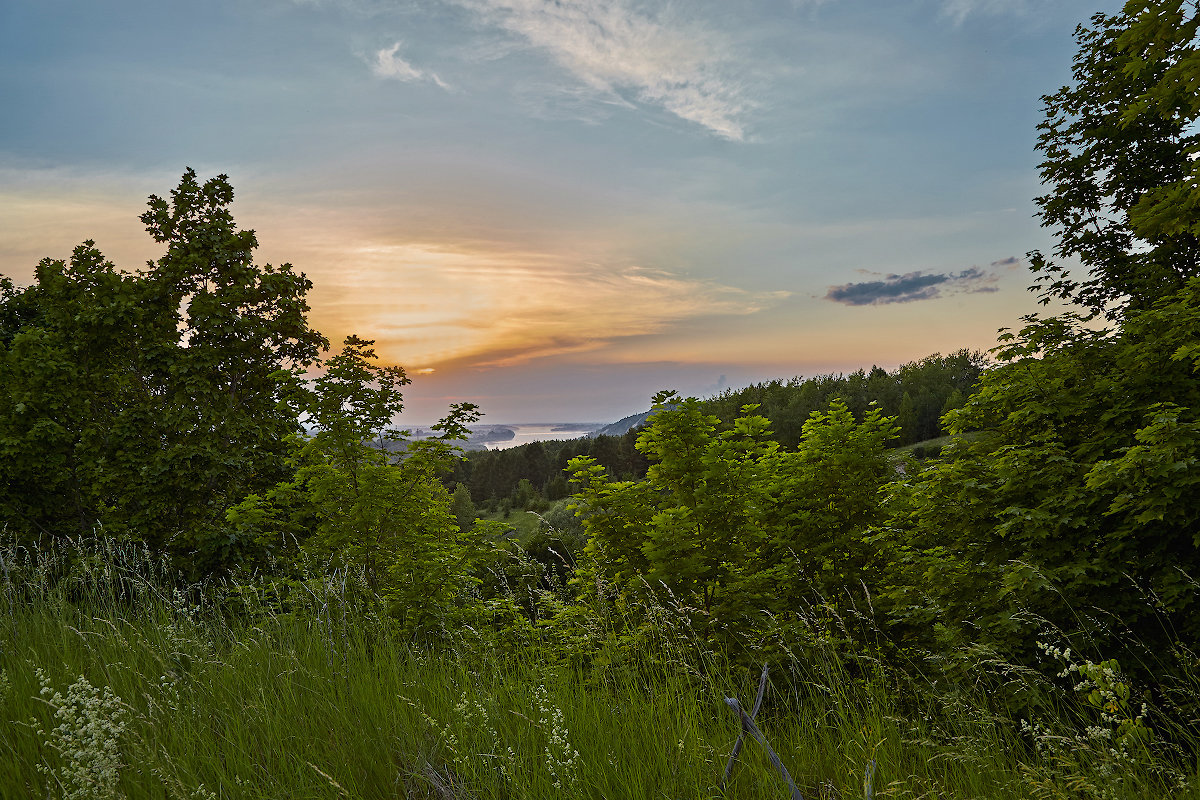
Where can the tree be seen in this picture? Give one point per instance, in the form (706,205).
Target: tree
(535,463)
(1070,504)
(1120,168)
(352,405)
(907,417)
(823,498)
(606,450)
(148,403)
(462,507)
(1077,489)
(731,524)
(372,500)
(929,384)
(525,497)
(556,488)
(1161,42)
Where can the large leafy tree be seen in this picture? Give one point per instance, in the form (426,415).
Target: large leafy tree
(1160,42)
(1120,167)
(147,403)
(78,390)
(1073,503)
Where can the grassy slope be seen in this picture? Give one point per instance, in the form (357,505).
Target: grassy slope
(333,704)
(521,524)
(293,710)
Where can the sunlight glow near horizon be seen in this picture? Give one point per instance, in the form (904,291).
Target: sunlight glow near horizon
(555,210)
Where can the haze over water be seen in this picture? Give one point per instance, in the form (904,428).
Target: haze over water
(539,432)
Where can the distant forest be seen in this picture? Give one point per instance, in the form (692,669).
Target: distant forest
(917,394)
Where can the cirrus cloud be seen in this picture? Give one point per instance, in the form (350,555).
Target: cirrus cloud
(446,307)
(959,10)
(614,50)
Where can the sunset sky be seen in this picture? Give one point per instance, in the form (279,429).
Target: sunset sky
(554,209)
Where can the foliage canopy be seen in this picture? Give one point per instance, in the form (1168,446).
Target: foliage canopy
(171,406)
(1120,167)
(147,403)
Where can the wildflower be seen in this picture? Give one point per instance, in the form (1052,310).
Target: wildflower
(87,737)
(562,760)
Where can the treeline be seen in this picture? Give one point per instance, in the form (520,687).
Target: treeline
(917,394)
(524,476)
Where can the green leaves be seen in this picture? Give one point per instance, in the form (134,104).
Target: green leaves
(1120,169)
(1077,484)
(728,522)
(361,497)
(149,403)
(1154,480)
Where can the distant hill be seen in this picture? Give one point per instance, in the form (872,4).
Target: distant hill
(484,435)
(582,427)
(622,426)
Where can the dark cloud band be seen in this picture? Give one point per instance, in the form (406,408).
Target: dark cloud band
(913,286)
(892,289)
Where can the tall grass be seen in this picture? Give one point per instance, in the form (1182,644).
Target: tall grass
(115,681)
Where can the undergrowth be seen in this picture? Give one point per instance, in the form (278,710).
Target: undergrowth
(117,681)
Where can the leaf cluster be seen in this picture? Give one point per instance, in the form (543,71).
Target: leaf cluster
(147,403)
(734,527)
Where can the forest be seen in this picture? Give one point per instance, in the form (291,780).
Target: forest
(917,395)
(225,573)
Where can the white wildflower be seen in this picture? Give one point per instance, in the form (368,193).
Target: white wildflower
(87,737)
(562,760)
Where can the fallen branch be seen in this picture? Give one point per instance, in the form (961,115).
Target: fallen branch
(749,727)
(737,746)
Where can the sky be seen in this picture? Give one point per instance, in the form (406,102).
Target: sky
(555,208)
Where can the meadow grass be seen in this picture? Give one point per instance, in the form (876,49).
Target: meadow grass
(112,685)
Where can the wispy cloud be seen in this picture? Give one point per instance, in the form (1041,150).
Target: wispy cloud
(387,63)
(613,49)
(959,10)
(914,286)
